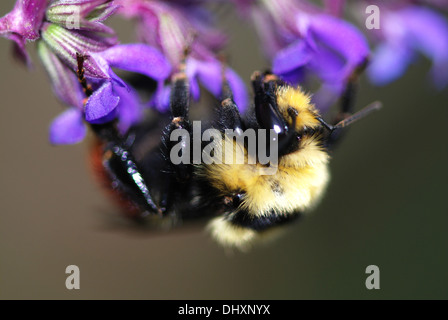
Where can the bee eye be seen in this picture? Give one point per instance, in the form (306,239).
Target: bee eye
(234,200)
(237,199)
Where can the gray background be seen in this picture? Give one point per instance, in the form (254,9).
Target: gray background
(386,205)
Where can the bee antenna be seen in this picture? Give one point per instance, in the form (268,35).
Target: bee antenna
(374,106)
(327,126)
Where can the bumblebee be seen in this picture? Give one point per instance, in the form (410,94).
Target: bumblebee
(241,204)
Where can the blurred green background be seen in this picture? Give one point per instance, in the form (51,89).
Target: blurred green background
(386,206)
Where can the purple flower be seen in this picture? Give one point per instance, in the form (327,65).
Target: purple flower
(403,34)
(112,98)
(85,15)
(67,43)
(335,7)
(66,28)
(172,27)
(303,41)
(23,23)
(138,58)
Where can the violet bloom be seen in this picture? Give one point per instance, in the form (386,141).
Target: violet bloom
(65,28)
(304,41)
(23,24)
(112,98)
(403,34)
(173,26)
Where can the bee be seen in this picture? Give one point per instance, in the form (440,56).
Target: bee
(242,205)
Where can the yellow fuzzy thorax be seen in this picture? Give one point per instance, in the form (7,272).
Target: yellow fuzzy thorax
(297,183)
(289,97)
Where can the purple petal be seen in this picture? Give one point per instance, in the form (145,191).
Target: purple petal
(292,57)
(239,90)
(335,7)
(209,74)
(25,19)
(327,65)
(19,49)
(191,71)
(22,24)
(243,5)
(138,58)
(129,108)
(295,76)
(106,69)
(389,63)
(427,31)
(68,128)
(342,38)
(161,98)
(172,23)
(101,103)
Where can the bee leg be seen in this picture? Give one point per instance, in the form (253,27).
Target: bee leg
(179,128)
(347,100)
(227,114)
(346,105)
(119,161)
(123,169)
(229,117)
(265,82)
(180,95)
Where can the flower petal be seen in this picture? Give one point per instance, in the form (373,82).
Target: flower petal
(139,58)
(292,57)
(343,39)
(68,128)
(389,63)
(22,24)
(82,14)
(335,7)
(191,71)
(101,103)
(25,19)
(66,44)
(161,98)
(209,74)
(130,109)
(19,49)
(428,32)
(239,90)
